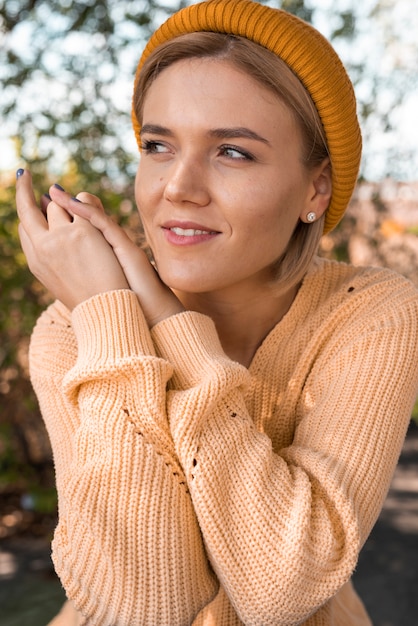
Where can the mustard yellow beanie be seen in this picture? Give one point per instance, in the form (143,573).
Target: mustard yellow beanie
(308,54)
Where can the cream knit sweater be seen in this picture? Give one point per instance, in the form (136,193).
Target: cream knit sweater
(195,491)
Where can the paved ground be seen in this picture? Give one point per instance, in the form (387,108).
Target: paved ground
(387,575)
(30,594)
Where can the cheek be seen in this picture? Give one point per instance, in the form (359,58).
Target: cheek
(265,209)
(147,192)
(271,221)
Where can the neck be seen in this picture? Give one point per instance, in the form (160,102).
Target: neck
(242,323)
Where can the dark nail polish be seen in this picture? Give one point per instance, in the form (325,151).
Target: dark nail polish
(76,199)
(46,195)
(19,172)
(59,187)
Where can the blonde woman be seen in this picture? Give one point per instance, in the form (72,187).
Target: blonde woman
(225,418)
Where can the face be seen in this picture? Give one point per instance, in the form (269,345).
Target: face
(220,185)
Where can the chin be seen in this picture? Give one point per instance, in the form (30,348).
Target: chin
(185,279)
(187,286)
(177,282)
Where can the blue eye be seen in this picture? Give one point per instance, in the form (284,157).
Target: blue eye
(235,153)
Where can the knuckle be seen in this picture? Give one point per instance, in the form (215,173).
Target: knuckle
(89,198)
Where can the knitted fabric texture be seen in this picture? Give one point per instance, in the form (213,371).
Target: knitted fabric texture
(308,54)
(193,490)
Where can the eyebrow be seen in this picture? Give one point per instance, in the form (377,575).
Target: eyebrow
(238,132)
(155,129)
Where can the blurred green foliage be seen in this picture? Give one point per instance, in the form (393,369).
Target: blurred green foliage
(415,413)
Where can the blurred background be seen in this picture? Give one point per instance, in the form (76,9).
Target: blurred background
(66,77)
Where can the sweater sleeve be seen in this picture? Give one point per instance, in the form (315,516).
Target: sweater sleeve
(127,546)
(52,352)
(283,529)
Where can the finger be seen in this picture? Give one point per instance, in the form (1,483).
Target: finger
(97,217)
(25,241)
(57,215)
(114,234)
(89,198)
(61,198)
(45,200)
(70,203)
(73,204)
(28,211)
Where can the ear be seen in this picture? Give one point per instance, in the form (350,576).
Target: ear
(320,191)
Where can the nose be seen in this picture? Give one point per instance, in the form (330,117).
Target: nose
(186,182)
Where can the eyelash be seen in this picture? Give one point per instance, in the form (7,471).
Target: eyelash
(150,146)
(245,156)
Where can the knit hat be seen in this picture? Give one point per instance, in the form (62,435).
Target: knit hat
(308,54)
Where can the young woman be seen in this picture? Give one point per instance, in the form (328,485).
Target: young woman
(225,420)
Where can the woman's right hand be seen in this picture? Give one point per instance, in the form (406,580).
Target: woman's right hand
(64,251)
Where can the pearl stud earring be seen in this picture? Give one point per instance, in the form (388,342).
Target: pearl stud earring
(311,217)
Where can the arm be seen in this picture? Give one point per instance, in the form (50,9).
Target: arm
(128,543)
(283,528)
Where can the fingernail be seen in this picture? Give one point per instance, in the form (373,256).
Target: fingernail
(57,186)
(76,199)
(19,172)
(46,195)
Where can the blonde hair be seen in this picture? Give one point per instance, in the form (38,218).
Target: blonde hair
(273,73)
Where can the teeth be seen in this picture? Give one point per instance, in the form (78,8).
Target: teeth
(188,232)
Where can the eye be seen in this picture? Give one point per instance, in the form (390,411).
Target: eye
(153,147)
(236,154)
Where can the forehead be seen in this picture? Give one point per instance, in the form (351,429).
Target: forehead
(214,87)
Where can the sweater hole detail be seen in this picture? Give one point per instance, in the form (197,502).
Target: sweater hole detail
(194,463)
(176,472)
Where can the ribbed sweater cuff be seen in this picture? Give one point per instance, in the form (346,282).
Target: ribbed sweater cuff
(189,341)
(110,326)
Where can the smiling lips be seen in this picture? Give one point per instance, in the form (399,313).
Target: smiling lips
(190,232)
(187,234)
